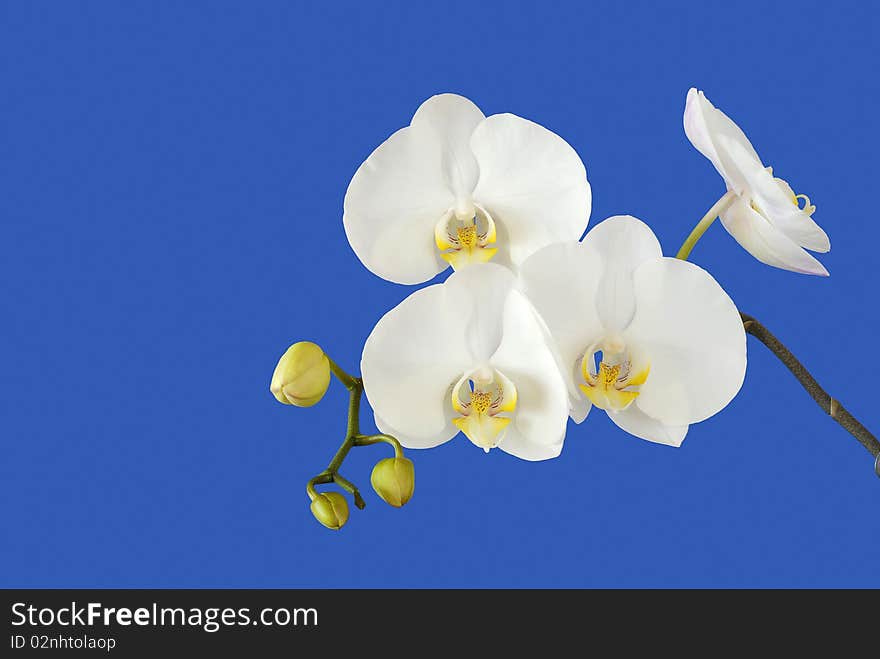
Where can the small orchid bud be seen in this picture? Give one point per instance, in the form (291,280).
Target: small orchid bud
(302,375)
(394,479)
(331,510)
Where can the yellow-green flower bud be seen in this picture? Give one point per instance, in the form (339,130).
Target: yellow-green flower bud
(302,375)
(331,510)
(394,479)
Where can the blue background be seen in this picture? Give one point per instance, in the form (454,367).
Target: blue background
(171,185)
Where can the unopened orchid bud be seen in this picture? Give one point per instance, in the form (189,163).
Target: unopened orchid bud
(394,479)
(302,375)
(331,510)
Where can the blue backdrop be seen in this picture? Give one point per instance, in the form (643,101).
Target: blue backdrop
(172,182)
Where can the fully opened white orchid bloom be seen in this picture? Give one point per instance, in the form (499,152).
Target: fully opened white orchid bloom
(653,341)
(455,187)
(467,355)
(764,214)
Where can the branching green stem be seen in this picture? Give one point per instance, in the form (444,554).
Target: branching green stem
(353,438)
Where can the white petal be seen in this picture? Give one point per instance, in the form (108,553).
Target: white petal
(562,282)
(703,125)
(479,294)
(767,243)
(419,349)
(538,426)
(624,243)
(452,119)
(406,185)
(532,183)
(579,407)
(697,129)
(409,365)
(407,441)
(776,203)
(693,335)
(517,445)
(634,421)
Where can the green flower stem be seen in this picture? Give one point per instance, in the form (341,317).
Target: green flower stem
(338,459)
(719,207)
(353,438)
(320,479)
(367,440)
(349,381)
(830,405)
(349,487)
(354,407)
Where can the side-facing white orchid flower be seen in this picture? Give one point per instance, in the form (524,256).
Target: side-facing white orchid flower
(471,355)
(761,212)
(653,341)
(455,187)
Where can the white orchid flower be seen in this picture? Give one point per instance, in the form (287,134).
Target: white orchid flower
(653,341)
(467,355)
(455,187)
(761,212)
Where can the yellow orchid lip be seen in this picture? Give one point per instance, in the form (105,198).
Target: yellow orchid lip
(615,384)
(465,238)
(480,398)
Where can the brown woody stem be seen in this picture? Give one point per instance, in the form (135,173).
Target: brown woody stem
(830,405)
